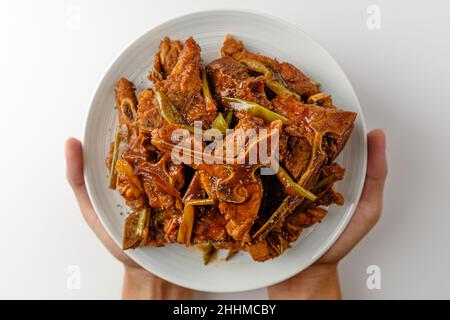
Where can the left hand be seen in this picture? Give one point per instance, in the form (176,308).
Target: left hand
(138,282)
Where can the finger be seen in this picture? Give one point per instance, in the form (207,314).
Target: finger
(371,200)
(74,172)
(370,204)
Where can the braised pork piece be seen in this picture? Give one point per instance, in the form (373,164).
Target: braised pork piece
(214,196)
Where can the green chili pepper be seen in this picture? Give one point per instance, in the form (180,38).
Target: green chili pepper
(231,253)
(220,123)
(281,90)
(208,253)
(169,112)
(229,118)
(167,109)
(291,186)
(279,86)
(209,102)
(324,182)
(255,110)
(144,219)
(187,221)
(258,66)
(113,172)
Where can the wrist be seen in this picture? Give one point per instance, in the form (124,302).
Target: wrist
(139,284)
(319,281)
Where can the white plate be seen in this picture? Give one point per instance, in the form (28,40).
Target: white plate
(260,33)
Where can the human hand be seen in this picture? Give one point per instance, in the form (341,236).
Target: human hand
(320,281)
(138,282)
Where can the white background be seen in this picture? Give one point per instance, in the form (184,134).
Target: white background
(49,69)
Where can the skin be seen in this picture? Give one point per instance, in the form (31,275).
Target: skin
(319,281)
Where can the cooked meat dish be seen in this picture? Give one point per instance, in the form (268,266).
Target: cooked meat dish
(199,199)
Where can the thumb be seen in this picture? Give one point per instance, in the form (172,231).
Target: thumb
(371,201)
